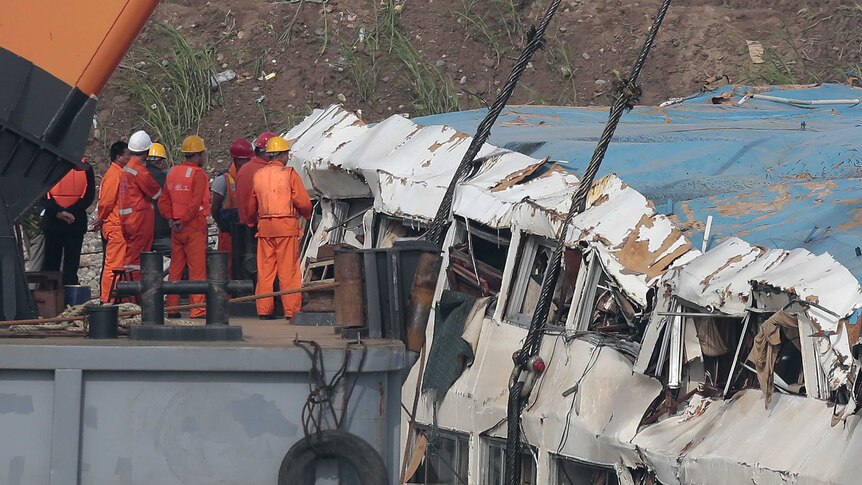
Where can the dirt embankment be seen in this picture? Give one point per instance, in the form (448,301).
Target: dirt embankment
(419,56)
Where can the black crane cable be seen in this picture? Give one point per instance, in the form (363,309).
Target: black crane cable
(629,92)
(535,40)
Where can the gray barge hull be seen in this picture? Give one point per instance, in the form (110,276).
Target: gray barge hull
(74,410)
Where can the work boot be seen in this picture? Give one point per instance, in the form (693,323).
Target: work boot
(266,317)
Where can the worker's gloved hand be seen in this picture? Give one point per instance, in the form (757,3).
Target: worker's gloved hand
(97,225)
(176,225)
(66,217)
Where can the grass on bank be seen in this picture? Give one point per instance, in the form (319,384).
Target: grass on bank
(174,89)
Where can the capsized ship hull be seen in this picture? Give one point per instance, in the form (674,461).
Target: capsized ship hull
(724,362)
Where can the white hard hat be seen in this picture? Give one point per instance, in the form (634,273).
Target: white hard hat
(140,141)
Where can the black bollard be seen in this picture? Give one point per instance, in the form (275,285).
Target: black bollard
(152,298)
(217,297)
(152,289)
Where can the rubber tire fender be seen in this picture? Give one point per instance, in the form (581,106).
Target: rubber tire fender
(333,444)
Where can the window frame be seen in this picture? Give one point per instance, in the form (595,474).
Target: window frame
(492,444)
(462,451)
(556,468)
(586,291)
(518,289)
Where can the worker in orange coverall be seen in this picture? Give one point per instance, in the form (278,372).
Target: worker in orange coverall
(186,205)
(113,241)
(138,190)
(278,200)
(245,176)
(223,206)
(244,182)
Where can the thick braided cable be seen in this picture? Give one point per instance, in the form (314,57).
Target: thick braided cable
(628,93)
(625,100)
(438,227)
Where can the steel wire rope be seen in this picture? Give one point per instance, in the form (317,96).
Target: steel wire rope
(535,40)
(626,99)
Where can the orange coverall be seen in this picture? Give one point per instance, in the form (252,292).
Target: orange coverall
(137,191)
(228,202)
(244,187)
(112,232)
(187,199)
(278,199)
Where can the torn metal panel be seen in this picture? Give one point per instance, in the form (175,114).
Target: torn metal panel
(533,206)
(713,442)
(775,174)
(600,424)
(636,244)
(317,138)
(721,280)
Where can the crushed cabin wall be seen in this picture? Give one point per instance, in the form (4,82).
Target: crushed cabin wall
(601,424)
(713,442)
(633,257)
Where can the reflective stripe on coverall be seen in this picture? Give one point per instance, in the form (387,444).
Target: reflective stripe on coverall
(137,191)
(112,232)
(187,199)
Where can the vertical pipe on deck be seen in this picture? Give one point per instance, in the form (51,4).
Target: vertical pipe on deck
(350,292)
(216,294)
(152,299)
(422,299)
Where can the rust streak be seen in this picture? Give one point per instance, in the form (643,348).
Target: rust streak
(516,177)
(709,277)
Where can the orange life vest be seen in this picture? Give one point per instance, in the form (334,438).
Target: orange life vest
(273,190)
(179,184)
(230,181)
(70,189)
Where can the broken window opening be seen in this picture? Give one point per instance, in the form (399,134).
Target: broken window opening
(495,469)
(696,355)
(476,263)
(573,472)
(532,263)
(601,306)
(391,229)
(719,339)
(442,456)
(349,225)
(780,360)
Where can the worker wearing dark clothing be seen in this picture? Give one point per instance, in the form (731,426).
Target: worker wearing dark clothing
(156,164)
(65,221)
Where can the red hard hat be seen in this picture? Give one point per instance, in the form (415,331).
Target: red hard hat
(241,148)
(262,139)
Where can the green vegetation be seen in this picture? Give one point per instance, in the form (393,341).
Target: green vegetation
(287,33)
(431,90)
(774,70)
(175,88)
(363,68)
(559,59)
(474,22)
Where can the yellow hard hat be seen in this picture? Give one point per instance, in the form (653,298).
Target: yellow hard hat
(193,144)
(158,150)
(278,144)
